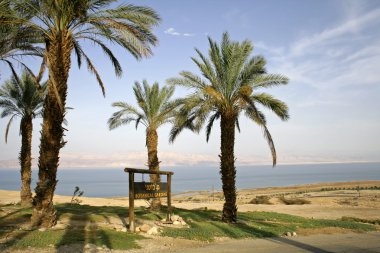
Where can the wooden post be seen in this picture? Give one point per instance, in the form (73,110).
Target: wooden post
(169,180)
(131,202)
(131,172)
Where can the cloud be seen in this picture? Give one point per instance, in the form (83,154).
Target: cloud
(339,56)
(351,26)
(172,31)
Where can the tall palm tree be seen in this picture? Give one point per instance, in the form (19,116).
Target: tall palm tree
(156,109)
(61,25)
(21,98)
(229,85)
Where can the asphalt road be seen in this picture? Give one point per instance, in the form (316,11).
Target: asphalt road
(348,243)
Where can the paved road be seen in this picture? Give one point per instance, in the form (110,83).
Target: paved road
(348,243)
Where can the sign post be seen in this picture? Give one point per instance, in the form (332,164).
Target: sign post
(146,190)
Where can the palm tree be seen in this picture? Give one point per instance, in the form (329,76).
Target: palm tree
(61,25)
(156,110)
(21,98)
(16,42)
(229,85)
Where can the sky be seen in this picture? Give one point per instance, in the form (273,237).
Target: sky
(329,50)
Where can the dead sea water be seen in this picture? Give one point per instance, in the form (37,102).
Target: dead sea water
(107,182)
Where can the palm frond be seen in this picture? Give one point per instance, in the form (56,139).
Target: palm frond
(210,124)
(270,142)
(8,126)
(269,80)
(237,124)
(108,52)
(92,69)
(276,105)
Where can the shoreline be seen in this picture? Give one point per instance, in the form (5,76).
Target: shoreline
(342,199)
(306,187)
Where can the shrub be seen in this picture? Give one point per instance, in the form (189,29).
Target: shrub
(261,200)
(294,201)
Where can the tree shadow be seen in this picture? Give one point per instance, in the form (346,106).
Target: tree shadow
(16,211)
(74,233)
(12,225)
(244,230)
(82,230)
(297,244)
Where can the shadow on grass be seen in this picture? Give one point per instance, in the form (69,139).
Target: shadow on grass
(10,225)
(15,212)
(80,231)
(84,226)
(241,230)
(299,245)
(88,210)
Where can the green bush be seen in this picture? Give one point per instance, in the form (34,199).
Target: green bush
(261,200)
(294,201)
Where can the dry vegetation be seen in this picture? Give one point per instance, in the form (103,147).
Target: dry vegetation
(359,199)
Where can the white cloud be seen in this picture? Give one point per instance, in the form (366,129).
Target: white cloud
(172,31)
(338,56)
(352,26)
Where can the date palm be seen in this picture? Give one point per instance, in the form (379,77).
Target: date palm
(62,25)
(16,42)
(21,98)
(155,110)
(230,84)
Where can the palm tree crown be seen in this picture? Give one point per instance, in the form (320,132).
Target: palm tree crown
(21,99)
(72,21)
(155,106)
(229,85)
(16,41)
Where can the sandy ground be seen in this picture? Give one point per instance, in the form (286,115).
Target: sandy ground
(324,204)
(334,204)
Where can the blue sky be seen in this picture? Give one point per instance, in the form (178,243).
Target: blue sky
(330,50)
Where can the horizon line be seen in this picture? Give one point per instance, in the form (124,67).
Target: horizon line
(209,165)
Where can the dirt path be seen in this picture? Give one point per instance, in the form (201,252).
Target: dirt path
(349,243)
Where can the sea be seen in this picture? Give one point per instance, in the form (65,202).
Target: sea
(113,182)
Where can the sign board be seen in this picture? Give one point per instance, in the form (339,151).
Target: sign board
(142,190)
(146,190)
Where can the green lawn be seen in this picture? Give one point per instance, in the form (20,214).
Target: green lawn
(204,225)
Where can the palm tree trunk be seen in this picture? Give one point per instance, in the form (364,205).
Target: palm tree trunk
(153,163)
(26,160)
(58,60)
(227,167)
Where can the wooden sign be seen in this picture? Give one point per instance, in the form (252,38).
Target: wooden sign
(146,190)
(143,190)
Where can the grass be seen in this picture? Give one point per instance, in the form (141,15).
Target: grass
(18,216)
(109,238)
(205,225)
(373,221)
